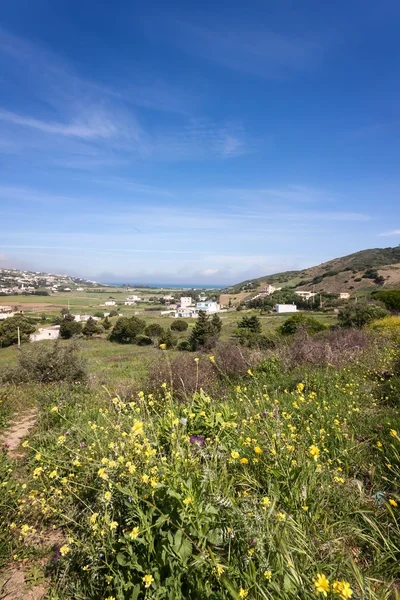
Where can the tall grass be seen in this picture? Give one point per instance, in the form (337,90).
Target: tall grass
(286,485)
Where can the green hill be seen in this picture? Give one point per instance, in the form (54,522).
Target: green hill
(362,271)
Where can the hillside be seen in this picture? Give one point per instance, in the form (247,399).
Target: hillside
(362,271)
(16,281)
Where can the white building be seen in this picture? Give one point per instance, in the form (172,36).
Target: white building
(133,299)
(49,333)
(185,301)
(208,306)
(110,303)
(285,308)
(83,318)
(80,290)
(186,313)
(304,294)
(344,295)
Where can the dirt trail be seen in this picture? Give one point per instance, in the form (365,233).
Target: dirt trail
(16,432)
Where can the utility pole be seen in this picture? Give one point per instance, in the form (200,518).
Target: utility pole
(320,301)
(19,337)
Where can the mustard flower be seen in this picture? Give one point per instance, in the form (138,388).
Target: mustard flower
(321,584)
(148,580)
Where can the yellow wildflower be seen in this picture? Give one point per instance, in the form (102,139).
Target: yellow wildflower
(64,550)
(235,454)
(107,496)
(162,347)
(244,461)
(321,584)
(212,359)
(102,473)
(243,593)
(343,589)
(393,433)
(134,533)
(265,502)
(37,472)
(314,451)
(268,575)
(113,525)
(250,372)
(93,518)
(220,569)
(187,500)
(281,516)
(393,502)
(379,444)
(147,580)
(196,360)
(257,450)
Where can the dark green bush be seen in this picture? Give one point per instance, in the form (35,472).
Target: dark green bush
(184,345)
(47,363)
(143,340)
(358,314)
(154,330)
(179,325)
(301,321)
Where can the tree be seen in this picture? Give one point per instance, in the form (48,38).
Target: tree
(390,298)
(179,325)
(113,313)
(9,330)
(90,328)
(301,321)
(252,323)
(106,324)
(69,329)
(216,324)
(358,314)
(154,330)
(125,330)
(203,334)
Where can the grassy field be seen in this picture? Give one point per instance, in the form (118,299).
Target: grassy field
(284,484)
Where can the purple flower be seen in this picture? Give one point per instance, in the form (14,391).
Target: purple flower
(197,439)
(7,445)
(82,444)
(101,555)
(57,555)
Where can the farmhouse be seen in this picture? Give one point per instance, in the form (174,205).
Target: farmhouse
(110,303)
(285,308)
(208,306)
(344,295)
(304,294)
(49,333)
(83,318)
(186,313)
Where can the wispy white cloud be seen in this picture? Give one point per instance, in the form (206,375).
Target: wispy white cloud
(393,233)
(250,49)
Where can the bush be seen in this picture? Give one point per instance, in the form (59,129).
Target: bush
(143,340)
(235,361)
(69,329)
(47,363)
(184,345)
(125,330)
(9,330)
(167,338)
(388,327)
(359,314)
(90,328)
(154,330)
(391,299)
(301,321)
(179,325)
(253,324)
(205,332)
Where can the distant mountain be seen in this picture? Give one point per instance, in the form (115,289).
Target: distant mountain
(362,272)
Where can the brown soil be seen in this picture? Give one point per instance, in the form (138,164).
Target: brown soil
(17,431)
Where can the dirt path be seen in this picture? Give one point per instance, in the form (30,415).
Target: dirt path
(17,431)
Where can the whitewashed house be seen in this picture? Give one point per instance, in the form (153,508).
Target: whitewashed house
(305,294)
(285,308)
(83,318)
(208,306)
(110,303)
(344,295)
(186,313)
(49,333)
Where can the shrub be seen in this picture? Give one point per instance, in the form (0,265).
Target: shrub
(69,329)
(253,324)
(334,348)
(235,361)
(391,299)
(106,324)
(301,321)
(388,327)
(143,340)
(184,345)
(205,332)
(358,314)
(90,328)
(179,325)
(167,338)
(47,363)
(9,330)
(154,330)
(125,330)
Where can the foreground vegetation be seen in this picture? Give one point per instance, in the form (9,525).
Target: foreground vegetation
(280,480)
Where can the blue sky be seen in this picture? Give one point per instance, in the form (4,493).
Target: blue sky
(197,142)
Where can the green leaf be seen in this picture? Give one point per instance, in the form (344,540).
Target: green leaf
(122,559)
(136,592)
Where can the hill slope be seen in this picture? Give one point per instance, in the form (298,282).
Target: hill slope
(361,271)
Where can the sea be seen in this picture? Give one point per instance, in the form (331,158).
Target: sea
(169,286)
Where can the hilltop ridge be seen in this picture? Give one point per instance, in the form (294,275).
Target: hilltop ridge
(361,271)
